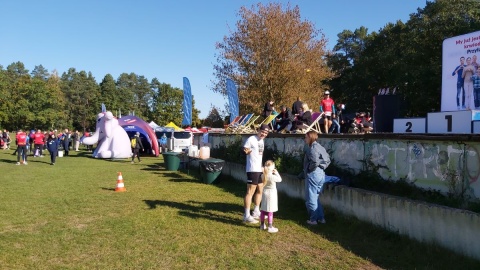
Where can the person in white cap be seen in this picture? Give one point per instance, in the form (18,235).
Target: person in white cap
(327,107)
(253,148)
(136,146)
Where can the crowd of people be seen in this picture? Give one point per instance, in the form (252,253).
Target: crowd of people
(35,142)
(333,119)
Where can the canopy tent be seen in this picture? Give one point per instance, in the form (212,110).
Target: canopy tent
(172,125)
(194,130)
(153,125)
(132,124)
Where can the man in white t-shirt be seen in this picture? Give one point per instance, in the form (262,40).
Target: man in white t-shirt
(253,148)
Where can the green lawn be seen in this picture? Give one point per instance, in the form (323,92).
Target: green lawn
(68,216)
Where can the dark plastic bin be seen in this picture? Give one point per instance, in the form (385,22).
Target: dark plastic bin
(172,160)
(210,169)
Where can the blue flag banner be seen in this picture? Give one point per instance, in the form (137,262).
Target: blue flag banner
(232,94)
(187,103)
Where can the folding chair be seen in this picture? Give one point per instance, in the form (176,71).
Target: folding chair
(247,127)
(241,123)
(316,116)
(230,127)
(267,121)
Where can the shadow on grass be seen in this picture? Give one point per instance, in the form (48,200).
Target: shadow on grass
(184,180)
(153,167)
(77,154)
(383,248)
(9,161)
(196,210)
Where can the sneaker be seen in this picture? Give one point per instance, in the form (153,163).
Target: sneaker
(42,156)
(263,226)
(132,162)
(18,163)
(250,219)
(309,222)
(272,230)
(322,221)
(25,163)
(256,215)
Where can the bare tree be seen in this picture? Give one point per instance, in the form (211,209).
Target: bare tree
(273,54)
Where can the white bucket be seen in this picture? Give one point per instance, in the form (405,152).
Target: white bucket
(204,152)
(60,153)
(192,151)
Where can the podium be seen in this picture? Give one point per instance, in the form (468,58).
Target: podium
(454,122)
(409,125)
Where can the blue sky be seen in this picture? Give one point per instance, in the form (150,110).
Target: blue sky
(163,39)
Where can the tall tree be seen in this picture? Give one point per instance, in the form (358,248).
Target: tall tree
(196,121)
(214,119)
(406,56)
(273,54)
(81,94)
(40,72)
(109,95)
(167,103)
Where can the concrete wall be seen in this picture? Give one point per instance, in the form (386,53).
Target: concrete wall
(453,229)
(444,163)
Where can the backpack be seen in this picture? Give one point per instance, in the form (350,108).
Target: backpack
(133,142)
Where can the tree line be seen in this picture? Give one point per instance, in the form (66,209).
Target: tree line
(45,100)
(274,55)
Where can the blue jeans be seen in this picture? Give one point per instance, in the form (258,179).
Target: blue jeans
(460,89)
(313,186)
(476,97)
(335,128)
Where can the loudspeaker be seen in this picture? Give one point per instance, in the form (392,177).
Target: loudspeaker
(385,109)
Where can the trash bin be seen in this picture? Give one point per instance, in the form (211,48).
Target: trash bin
(210,169)
(172,160)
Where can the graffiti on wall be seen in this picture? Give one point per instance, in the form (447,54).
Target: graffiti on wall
(428,164)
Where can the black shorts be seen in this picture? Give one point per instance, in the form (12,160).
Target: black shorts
(328,117)
(253,178)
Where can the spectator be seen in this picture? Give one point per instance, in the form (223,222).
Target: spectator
(315,161)
(87,134)
(65,140)
(327,106)
(6,139)
(76,140)
(304,119)
(31,136)
(268,109)
(21,139)
(253,148)
(337,120)
(297,106)
(284,119)
(52,146)
(136,143)
(269,203)
(38,141)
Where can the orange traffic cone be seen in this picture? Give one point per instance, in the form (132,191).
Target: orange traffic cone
(120,186)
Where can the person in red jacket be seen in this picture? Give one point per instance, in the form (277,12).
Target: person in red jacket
(38,141)
(327,106)
(21,147)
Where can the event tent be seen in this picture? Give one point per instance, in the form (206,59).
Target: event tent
(133,124)
(172,125)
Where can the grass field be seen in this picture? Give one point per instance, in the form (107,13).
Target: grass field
(68,216)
